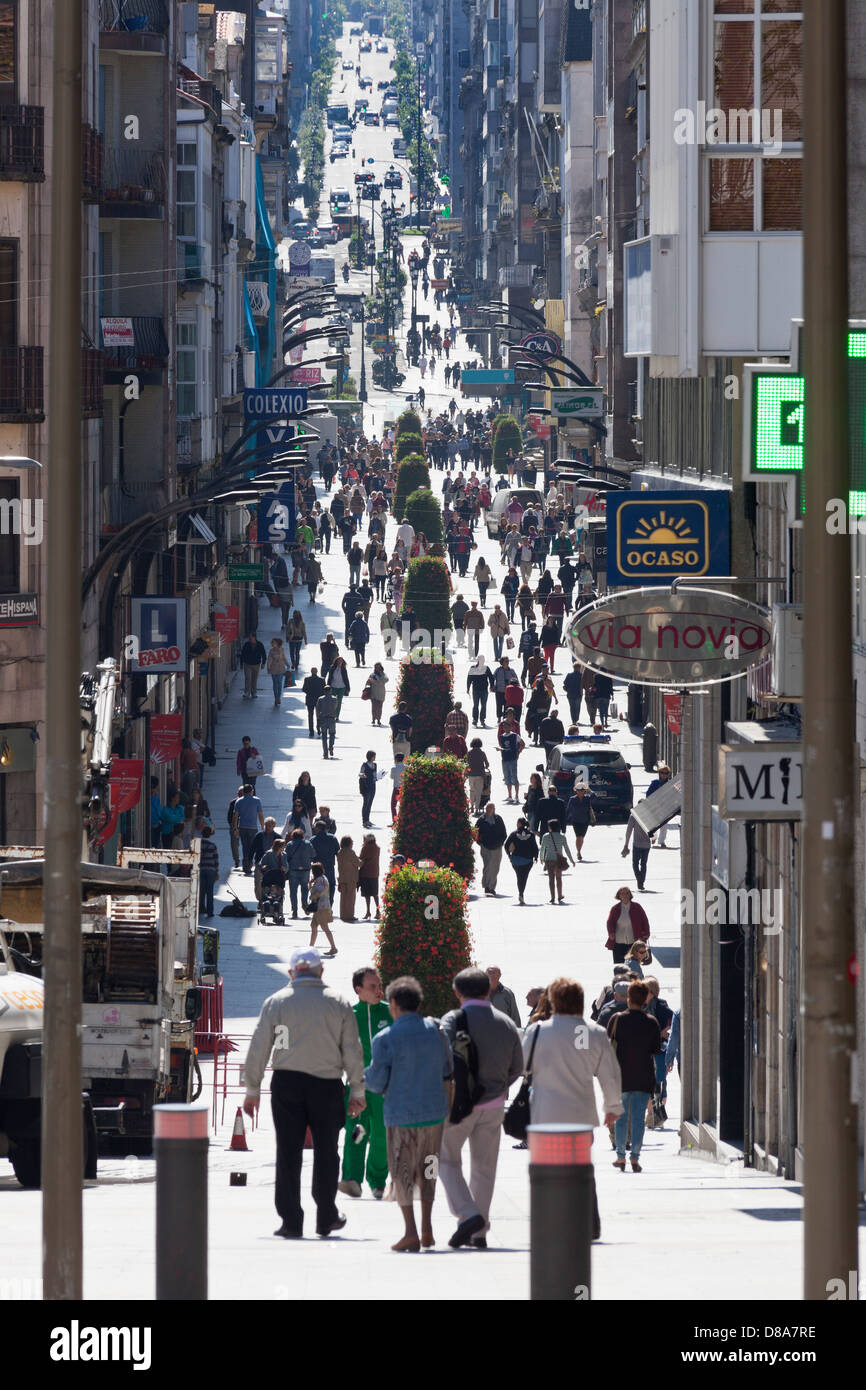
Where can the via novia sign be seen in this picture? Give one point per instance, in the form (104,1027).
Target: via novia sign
(544,343)
(274,402)
(654,537)
(692,637)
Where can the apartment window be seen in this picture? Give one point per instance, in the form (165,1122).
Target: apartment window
(10,548)
(8,294)
(187,202)
(187,375)
(757,85)
(8,52)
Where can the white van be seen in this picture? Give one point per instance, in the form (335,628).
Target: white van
(500,501)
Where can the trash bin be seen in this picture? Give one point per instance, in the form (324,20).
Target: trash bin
(650,747)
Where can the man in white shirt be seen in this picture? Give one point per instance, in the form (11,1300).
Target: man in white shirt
(397,781)
(406,533)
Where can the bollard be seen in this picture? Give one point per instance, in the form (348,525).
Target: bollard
(180,1144)
(561,1206)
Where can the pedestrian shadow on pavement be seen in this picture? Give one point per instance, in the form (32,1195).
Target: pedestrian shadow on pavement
(667,956)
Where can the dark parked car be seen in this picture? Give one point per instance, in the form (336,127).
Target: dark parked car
(603,768)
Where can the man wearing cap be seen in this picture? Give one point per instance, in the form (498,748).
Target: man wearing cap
(313,1035)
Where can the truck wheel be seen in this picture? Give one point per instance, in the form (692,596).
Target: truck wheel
(26,1160)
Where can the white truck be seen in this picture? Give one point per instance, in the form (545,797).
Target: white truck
(139,997)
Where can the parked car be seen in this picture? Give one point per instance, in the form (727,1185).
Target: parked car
(393,179)
(366,83)
(381,46)
(361,104)
(343,132)
(364,176)
(340,151)
(328,233)
(301,230)
(371,118)
(356,31)
(383,85)
(348,65)
(604,770)
(391,118)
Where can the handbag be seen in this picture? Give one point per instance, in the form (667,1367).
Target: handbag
(509,642)
(517,1115)
(365,693)
(255,767)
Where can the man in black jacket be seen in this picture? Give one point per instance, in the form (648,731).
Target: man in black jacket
(479,683)
(573,687)
(325,847)
(253,659)
(352,602)
(549,808)
(491,838)
(637,1039)
(313,687)
(551,732)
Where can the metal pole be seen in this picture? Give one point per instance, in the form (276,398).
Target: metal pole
(561,1211)
(418,137)
(180,1144)
(829,1036)
(62,1131)
(362,385)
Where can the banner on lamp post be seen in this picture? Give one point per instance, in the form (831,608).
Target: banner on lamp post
(165,737)
(124,791)
(674,712)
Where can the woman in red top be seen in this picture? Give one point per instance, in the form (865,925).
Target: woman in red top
(626,923)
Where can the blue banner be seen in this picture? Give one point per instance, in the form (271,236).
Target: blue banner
(274,402)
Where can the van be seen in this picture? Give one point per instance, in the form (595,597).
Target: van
(501,499)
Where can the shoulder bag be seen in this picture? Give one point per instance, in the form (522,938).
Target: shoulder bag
(448,1081)
(517,1115)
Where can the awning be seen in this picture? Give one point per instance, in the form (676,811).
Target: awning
(655,810)
(202,527)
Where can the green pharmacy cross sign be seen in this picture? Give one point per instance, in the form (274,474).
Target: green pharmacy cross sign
(774,400)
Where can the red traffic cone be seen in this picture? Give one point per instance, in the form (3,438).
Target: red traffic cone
(239,1134)
(308,1140)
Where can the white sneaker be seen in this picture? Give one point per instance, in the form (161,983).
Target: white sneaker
(351,1189)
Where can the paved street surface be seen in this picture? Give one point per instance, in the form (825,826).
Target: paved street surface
(658,1226)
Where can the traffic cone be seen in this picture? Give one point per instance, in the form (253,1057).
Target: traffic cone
(308,1139)
(239,1134)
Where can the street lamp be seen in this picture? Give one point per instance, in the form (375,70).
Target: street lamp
(362,388)
(414,271)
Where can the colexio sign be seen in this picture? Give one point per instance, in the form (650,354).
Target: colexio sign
(689,638)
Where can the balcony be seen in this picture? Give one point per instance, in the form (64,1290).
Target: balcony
(148,357)
(91,164)
(200,91)
(21,394)
(123,502)
(22,143)
(189,446)
(259,300)
(515,276)
(133,26)
(134,184)
(92,386)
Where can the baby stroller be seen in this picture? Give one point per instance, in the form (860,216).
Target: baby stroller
(488,787)
(271,902)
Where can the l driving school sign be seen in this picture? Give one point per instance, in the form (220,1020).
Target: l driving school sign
(654,537)
(690,638)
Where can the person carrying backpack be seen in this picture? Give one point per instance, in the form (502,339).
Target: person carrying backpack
(488,1058)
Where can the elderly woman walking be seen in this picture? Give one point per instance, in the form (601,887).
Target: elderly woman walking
(348,876)
(368,880)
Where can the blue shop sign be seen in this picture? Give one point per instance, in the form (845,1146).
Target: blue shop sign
(654,537)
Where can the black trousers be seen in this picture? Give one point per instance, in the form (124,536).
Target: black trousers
(479,702)
(639,859)
(298,1102)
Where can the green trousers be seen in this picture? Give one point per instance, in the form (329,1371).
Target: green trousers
(372,1145)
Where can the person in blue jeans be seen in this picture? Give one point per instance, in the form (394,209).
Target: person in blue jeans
(636,1038)
(299,857)
(248,822)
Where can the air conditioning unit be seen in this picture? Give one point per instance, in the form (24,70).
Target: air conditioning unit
(787,667)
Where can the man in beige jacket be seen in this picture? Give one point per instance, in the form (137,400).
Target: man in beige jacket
(313,1034)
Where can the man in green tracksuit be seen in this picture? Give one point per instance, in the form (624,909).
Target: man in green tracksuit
(373,1016)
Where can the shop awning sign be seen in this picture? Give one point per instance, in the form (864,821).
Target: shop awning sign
(761,783)
(690,638)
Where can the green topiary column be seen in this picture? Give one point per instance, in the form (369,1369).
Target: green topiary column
(409,444)
(506,436)
(412,473)
(427,593)
(433,819)
(408,423)
(424,932)
(423,511)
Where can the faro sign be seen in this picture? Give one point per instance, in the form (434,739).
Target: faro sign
(689,638)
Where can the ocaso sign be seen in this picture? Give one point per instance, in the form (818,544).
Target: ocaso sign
(687,638)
